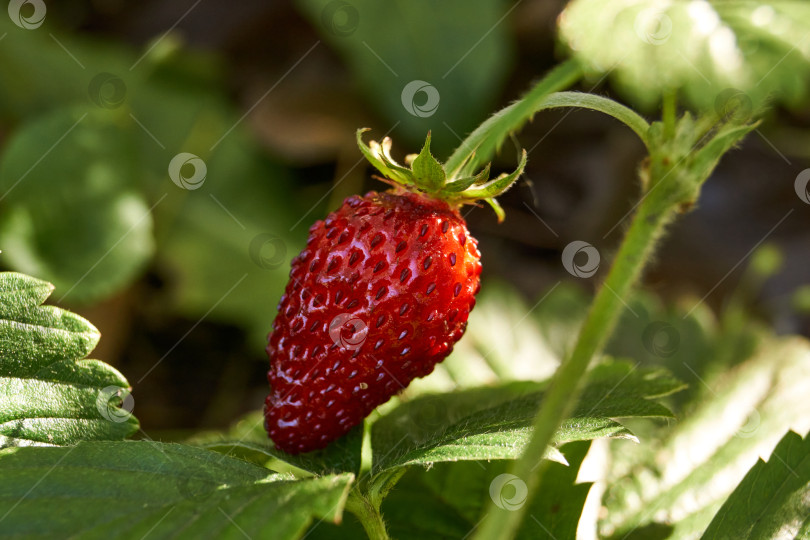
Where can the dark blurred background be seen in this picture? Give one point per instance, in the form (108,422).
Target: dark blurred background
(183,282)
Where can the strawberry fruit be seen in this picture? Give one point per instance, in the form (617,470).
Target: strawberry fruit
(379,296)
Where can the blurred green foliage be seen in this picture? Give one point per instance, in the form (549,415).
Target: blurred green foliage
(701,49)
(772,498)
(75,214)
(86,201)
(451,512)
(90,127)
(463,53)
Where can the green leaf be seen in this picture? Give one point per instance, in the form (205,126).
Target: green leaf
(428,172)
(134,489)
(698,48)
(18,293)
(248,436)
(658,335)
(446,501)
(70,209)
(687,470)
(50,394)
(556,513)
(772,500)
(494,423)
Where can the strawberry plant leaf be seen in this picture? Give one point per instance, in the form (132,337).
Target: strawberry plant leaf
(76,166)
(165,488)
(248,439)
(447,500)
(49,392)
(557,512)
(494,423)
(699,48)
(771,501)
(19,293)
(688,470)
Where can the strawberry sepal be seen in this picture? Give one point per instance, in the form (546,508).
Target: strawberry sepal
(428,176)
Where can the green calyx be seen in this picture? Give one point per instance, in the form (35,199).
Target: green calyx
(427,175)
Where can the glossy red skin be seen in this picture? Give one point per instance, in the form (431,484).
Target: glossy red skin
(404,270)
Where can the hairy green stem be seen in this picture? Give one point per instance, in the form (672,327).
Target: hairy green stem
(382,484)
(481,144)
(368,515)
(669,113)
(636,249)
(620,112)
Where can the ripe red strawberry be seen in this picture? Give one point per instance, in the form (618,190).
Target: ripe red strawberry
(378,297)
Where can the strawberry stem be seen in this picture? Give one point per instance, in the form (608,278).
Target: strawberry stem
(367,514)
(456,181)
(636,250)
(583,100)
(680,162)
(669,111)
(482,143)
